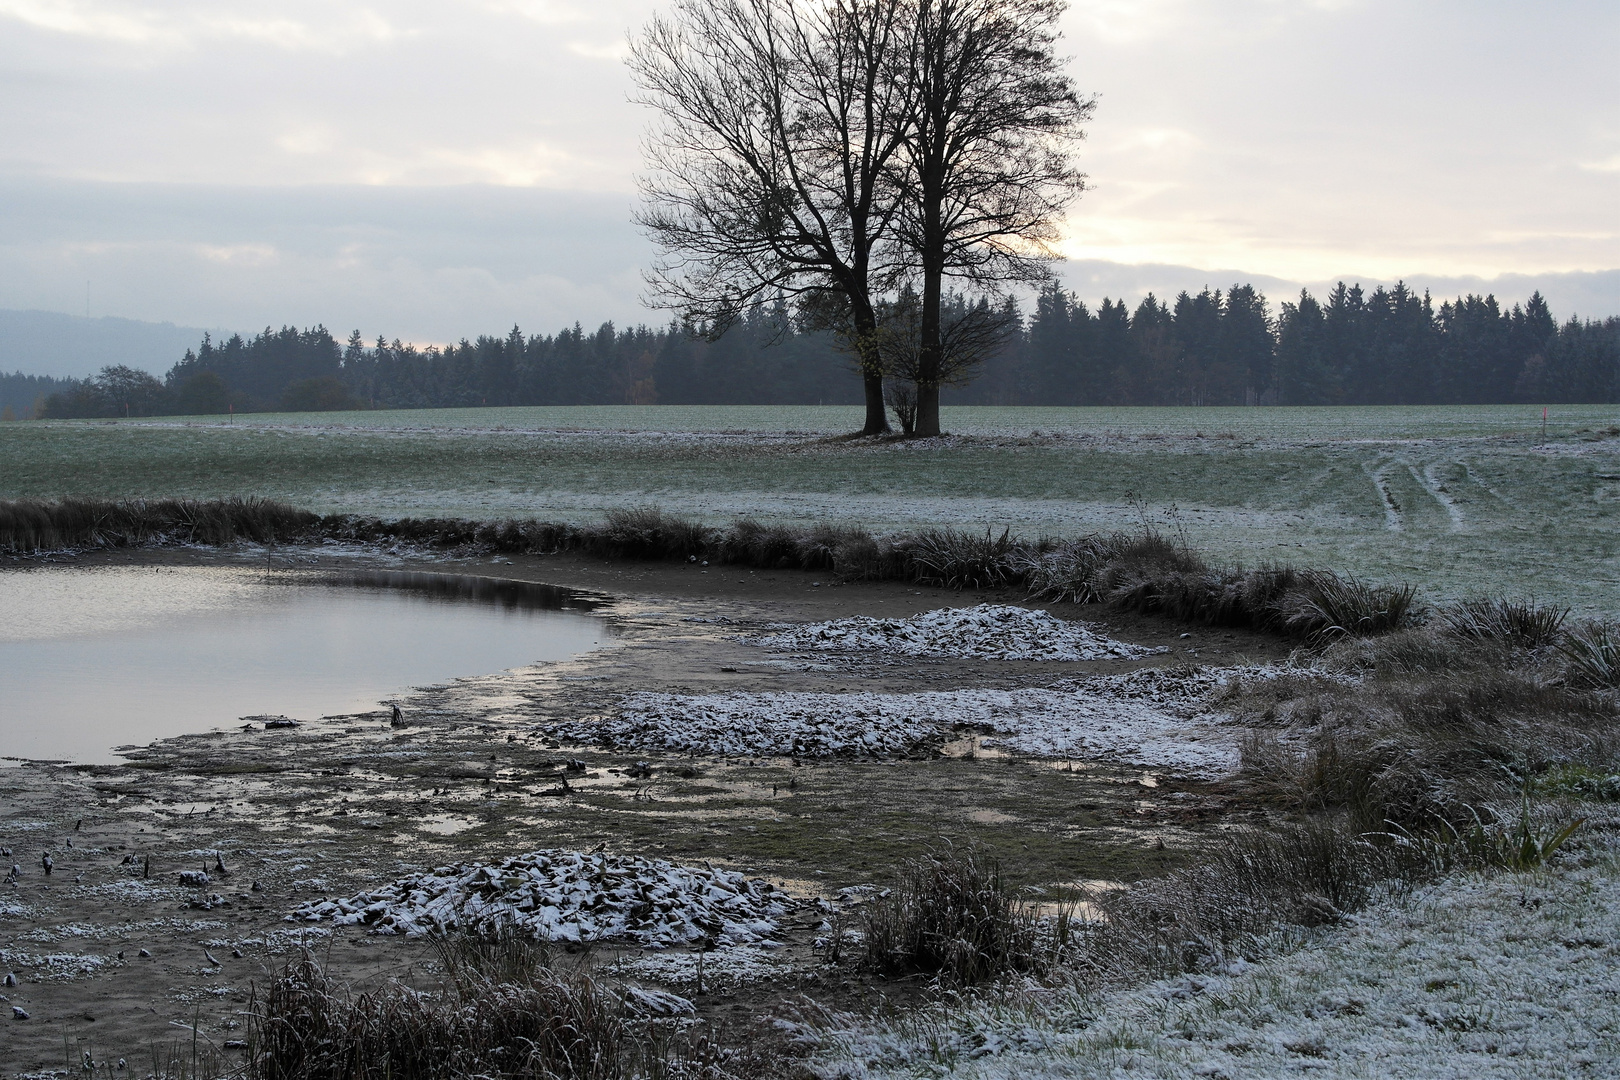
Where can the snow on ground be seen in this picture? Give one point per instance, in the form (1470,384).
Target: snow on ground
(1150,717)
(569,896)
(985,632)
(732,967)
(1512,975)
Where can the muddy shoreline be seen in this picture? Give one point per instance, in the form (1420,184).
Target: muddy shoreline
(344,803)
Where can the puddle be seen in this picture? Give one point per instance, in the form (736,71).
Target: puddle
(445,824)
(94,658)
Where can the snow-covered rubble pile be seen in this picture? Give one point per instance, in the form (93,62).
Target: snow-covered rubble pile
(569,896)
(1155,718)
(796,724)
(985,632)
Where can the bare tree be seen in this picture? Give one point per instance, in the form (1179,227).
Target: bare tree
(769,175)
(988,169)
(971,332)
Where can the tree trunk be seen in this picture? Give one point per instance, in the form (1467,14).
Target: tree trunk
(929,356)
(877,415)
(928,410)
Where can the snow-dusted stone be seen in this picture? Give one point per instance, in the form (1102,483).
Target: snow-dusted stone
(985,632)
(569,896)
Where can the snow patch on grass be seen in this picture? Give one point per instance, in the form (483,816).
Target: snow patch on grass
(985,632)
(1479,976)
(731,967)
(569,896)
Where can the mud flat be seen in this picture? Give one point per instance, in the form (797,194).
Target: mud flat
(125,947)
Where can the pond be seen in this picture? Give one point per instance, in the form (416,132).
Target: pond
(96,658)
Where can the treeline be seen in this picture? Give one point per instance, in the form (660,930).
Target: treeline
(1214,348)
(1393,347)
(23,396)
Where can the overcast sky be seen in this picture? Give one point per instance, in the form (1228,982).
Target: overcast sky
(430,169)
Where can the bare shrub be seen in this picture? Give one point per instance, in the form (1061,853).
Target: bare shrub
(952,915)
(1521,622)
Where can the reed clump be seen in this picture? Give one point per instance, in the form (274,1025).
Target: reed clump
(29,525)
(1144,572)
(953,916)
(505,1012)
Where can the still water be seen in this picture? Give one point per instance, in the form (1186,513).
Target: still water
(95,658)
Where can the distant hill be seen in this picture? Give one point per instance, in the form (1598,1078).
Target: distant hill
(57,345)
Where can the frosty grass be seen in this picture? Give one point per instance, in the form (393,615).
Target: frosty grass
(569,896)
(1509,976)
(985,632)
(1151,717)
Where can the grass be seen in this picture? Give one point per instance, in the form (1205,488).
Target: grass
(504,1012)
(1594,654)
(28,525)
(1144,572)
(953,916)
(1484,507)
(1442,722)
(1522,621)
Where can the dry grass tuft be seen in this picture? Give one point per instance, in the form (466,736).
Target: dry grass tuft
(504,1014)
(952,915)
(1594,655)
(28,525)
(1196,919)
(1521,622)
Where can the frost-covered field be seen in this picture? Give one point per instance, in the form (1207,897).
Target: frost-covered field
(1462,500)
(1510,976)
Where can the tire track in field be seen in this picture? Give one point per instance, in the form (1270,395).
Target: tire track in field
(1474,478)
(1378,472)
(1437,488)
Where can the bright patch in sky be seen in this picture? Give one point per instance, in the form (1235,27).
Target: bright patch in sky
(1287,141)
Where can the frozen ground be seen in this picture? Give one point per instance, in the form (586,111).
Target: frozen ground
(984,632)
(1459,500)
(1510,976)
(570,896)
(1152,718)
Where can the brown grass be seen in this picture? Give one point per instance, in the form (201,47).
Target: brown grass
(951,915)
(1144,572)
(504,1013)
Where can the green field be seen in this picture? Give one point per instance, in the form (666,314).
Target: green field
(1462,500)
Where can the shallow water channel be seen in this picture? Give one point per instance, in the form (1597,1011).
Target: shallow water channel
(96,658)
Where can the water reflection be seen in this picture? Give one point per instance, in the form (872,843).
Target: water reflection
(93,658)
(497,592)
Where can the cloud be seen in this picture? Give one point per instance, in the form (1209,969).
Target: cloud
(1297,139)
(327,28)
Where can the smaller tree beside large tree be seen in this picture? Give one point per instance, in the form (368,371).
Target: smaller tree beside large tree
(989,165)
